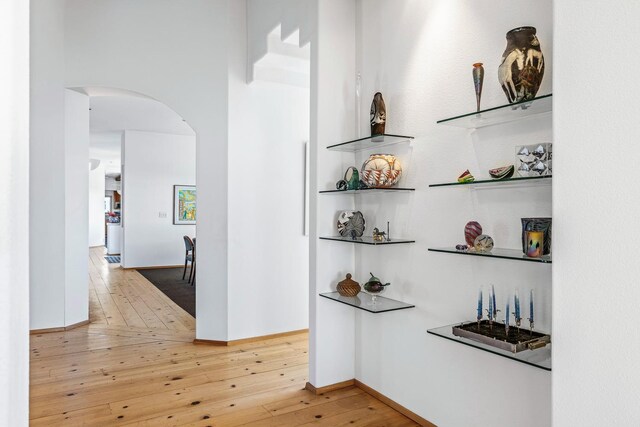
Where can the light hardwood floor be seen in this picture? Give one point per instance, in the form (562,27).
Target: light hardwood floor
(135,364)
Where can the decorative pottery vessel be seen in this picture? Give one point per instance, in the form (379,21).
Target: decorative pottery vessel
(374,286)
(378,115)
(522,67)
(351,223)
(478,79)
(381,170)
(537,224)
(472,230)
(352,177)
(348,287)
(483,243)
(535,243)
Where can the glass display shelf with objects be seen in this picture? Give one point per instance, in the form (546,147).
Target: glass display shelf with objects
(370,190)
(502,114)
(539,357)
(364,301)
(513,254)
(493,183)
(367,240)
(370,142)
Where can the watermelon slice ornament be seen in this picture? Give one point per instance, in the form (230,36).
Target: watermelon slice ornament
(466,177)
(504,172)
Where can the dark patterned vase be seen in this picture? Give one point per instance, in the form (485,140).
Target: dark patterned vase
(522,68)
(378,115)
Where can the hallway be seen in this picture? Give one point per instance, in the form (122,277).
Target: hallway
(120,297)
(136,364)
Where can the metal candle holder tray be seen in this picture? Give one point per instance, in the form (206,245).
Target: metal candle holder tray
(494,335)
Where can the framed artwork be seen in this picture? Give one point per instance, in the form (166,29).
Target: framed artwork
(184,204)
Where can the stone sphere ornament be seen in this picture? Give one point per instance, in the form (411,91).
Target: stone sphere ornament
(522,68)
(378,115)
(472,230)
(483,243)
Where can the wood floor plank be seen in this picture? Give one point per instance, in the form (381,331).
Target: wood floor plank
(136,364)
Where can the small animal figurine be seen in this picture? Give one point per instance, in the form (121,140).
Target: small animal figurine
(378,115)
(379,236)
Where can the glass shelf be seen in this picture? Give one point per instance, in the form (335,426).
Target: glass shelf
(511,182)
(369,142)
(513,254)
(369,190)
(367,240)
(364,302)
(540,358)
(502,114)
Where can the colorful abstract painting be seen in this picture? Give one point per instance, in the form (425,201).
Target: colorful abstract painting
(184,204)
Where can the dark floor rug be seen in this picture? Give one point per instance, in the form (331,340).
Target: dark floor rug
(169,281)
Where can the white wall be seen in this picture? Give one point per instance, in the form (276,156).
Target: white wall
(419,54)
(332,327)
(268,125)
(154,163)
(58,193)
(76,199)
(14,205)
(47,173)
(96,206)
(176,53)
(596,380)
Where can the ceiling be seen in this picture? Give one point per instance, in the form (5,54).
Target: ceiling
(113,111)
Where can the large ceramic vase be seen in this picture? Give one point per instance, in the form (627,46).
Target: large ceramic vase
(522,68)
(381,171)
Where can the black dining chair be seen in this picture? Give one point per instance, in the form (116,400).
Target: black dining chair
(189,256)
(194,264)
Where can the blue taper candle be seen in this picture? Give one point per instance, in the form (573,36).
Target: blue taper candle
(495,306)
(480,305)
(531,306)
(506,317)
(516,301)
(491,305)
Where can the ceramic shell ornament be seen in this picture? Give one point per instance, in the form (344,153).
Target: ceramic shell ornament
(472,230)
(378,115)
(351,224)
(381,170)
(522,68)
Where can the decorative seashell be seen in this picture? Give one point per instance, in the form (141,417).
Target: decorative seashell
(381,170)
(472,230)
(351,223)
